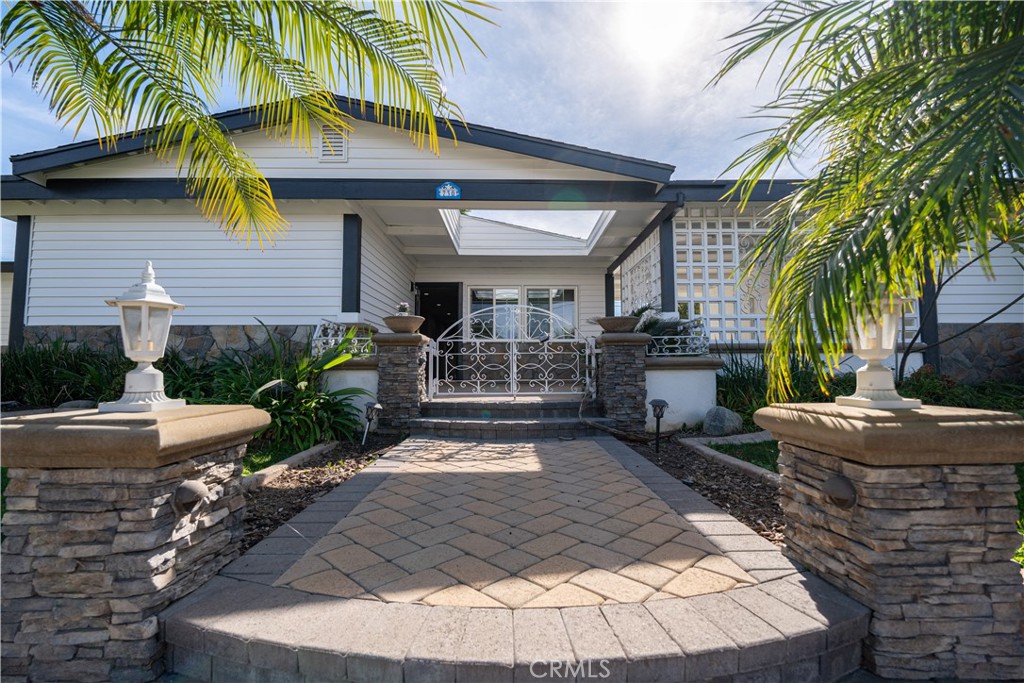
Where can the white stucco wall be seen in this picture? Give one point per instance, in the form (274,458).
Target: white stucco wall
(690,392)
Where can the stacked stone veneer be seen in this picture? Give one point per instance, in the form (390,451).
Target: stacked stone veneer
(92,554)
(990,351)
(192,341)
(401,379)
(926,546)
(622,378)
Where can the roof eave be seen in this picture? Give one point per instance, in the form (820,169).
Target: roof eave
(248,118)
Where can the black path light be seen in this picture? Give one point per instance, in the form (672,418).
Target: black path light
(658,406)
(373,411)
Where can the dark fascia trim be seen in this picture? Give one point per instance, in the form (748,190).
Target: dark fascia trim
(715,190)
(19,288)
(249,118)
(609,294)
(351,263)
(667,212)
(667,265)
(14,188)
(6,266)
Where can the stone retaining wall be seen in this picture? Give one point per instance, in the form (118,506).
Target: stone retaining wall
(622,378)
(91,556)
(990,351)
(401,379)
(927,549)
(192,341)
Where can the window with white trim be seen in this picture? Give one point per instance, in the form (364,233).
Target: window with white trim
(499,321)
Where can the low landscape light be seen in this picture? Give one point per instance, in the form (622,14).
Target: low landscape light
(658,406)
(145,311)
(373,411)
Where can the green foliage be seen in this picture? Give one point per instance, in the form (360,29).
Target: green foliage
(49,374)
(160,66)
(764,454)
(285,380)
(916,108)
(743,385)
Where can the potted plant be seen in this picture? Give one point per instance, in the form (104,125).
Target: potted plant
(403,322)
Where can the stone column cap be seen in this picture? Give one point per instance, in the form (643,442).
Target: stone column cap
(930,435)
(400,339)
(90,439)
(623,339)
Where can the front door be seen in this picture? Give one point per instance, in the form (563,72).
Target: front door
(440,304)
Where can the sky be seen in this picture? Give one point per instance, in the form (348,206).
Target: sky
(624,77)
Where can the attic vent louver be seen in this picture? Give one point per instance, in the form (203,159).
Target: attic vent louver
(333,146)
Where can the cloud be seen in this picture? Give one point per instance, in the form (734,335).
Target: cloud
(625,77)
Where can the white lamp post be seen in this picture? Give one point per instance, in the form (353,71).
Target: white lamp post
(874,340)
(145,312)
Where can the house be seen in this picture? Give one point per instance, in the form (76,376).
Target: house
(496,220)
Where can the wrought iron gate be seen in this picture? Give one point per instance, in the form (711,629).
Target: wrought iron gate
(510,350)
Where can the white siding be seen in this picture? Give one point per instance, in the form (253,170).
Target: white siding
(387,273)
(77,262)
(972,296)
(585,275)
(6,287)
(374,152)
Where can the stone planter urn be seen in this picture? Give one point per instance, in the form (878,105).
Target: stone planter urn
(404,324)
(618,323)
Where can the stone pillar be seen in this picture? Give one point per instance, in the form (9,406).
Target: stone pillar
(622,378)
(913,514)
(401,379)
(98,537)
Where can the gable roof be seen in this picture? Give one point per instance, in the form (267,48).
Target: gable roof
(250,118)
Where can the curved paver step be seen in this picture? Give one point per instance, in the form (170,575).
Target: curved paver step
(796,628)
(260,620)
(500,428)
(522,408)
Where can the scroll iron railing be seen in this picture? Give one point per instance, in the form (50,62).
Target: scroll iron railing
(329,334)
(511,350)
(691,340)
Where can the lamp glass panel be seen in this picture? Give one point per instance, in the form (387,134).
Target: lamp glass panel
(159,328)
(131,327)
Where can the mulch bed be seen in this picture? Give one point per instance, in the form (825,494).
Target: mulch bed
(752,502)
(270,506)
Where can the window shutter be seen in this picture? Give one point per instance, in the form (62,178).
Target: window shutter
(333,146)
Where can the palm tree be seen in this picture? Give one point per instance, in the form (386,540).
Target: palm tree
(158,67)
(918,108)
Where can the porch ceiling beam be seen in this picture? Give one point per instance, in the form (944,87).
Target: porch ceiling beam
(427,230)
(666,213)
(429,251)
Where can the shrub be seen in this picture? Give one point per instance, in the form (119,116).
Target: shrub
(285,380)
(47,375)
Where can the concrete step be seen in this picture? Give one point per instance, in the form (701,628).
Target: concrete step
(792,629)
(500,408)
(503,428)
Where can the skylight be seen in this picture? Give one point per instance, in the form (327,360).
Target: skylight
(578,224)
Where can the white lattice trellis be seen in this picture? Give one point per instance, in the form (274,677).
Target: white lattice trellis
(641,276)
(711,241)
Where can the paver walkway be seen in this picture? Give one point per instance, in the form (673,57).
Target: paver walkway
(542,524)
(455,561)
